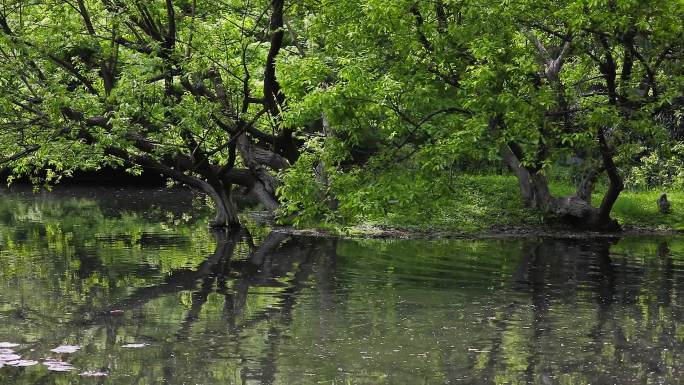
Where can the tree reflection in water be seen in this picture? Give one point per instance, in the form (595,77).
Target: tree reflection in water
(259,307)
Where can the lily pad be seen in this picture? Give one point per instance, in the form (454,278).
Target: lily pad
(22,363)
(9,357)
(93,374)
(66,349)
(58,366)
(134,346)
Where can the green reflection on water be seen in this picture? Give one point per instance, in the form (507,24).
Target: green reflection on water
(102,269)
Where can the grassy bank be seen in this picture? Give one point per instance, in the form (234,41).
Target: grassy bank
(639,209)
(484,203)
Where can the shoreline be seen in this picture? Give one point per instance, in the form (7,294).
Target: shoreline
(402,234)
(502,232)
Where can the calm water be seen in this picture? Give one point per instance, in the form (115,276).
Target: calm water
(148,296)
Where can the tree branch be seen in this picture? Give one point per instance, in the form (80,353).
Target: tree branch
(23,153)
(272,94)
(616,185)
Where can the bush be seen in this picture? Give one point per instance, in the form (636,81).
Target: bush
(663,168)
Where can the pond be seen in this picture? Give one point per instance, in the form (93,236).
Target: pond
(107,286)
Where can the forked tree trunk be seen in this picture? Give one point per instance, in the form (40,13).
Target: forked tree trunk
(575,210)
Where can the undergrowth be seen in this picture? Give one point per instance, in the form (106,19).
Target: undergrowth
(475,203)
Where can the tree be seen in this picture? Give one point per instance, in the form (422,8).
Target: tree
(607,72)
(186,88)
(534,84)
(195,89)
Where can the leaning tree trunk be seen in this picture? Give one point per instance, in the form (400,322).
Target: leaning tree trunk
(226,213)
(575,210)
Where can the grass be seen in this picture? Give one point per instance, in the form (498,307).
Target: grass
(481,203)
(472,204)
(639,209)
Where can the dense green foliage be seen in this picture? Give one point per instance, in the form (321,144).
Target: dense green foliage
(344,111)
(431,90)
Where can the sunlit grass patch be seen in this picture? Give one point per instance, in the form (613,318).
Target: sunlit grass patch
(482,202)
(639,209)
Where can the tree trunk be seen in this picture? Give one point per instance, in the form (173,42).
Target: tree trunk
(575,210)
(226,213)
(616,185)
(257,159)
(320,174)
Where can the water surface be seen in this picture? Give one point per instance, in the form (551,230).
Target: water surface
(129,287)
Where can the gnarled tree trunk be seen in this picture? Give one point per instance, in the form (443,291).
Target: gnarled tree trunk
(575,210)
(259,160)
(226,213)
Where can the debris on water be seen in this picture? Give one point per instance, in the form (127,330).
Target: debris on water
(6,345)
(134,346)
(58,366)
(22,363)
(9,357)
(66,349)
(93,374)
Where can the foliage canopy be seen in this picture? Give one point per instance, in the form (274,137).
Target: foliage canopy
(327,109)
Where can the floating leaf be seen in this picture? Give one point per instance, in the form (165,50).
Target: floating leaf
(134,346)
(22,363)
(9,357)
(66,349)
(93,374)
(58,366)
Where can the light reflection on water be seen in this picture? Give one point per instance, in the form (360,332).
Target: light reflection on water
(149,296)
